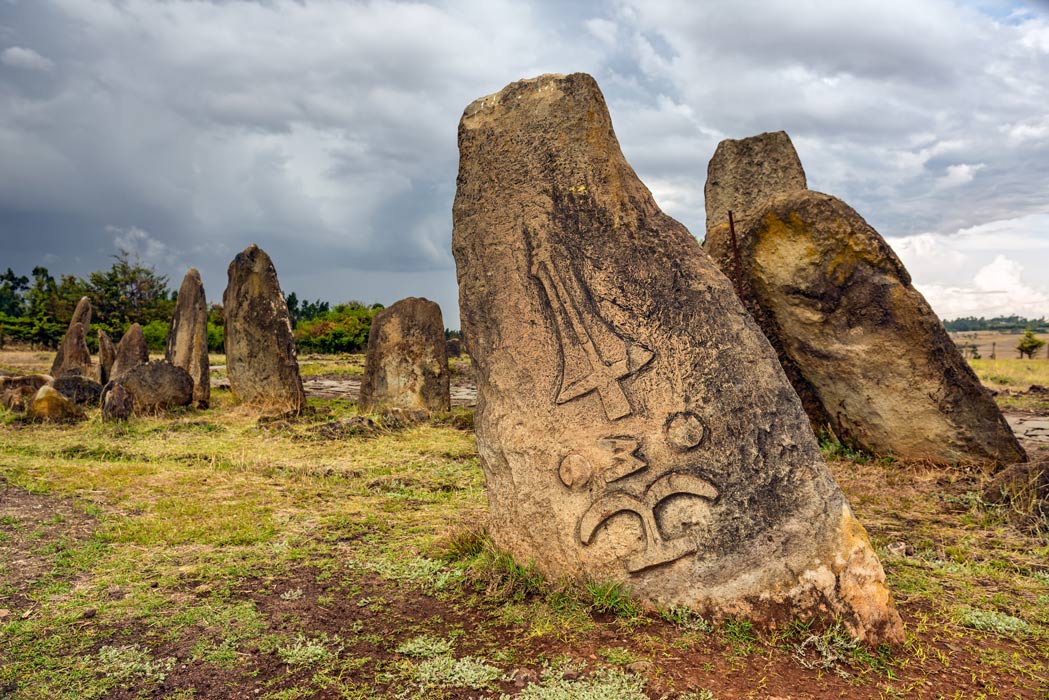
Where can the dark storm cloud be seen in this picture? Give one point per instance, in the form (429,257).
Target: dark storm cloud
(325,131)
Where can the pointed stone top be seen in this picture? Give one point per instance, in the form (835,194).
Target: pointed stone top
(82,313)
(746,173)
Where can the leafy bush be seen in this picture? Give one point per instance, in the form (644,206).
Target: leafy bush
(342,329)
(156,333)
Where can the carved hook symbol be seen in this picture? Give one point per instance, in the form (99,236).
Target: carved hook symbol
(656,550)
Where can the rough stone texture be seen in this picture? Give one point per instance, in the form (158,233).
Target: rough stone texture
(746,173)
(188,338)
(154,387)
(131,352)
(453,347)
(34,381)
(118,404)
(260,352)
(51,407)
(862,347)
(17,398)
(107,353)
(80,390)
(75,363)
(407,362)
(73,357)
(632,422)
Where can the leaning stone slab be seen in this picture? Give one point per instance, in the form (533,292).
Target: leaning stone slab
(131,352)
(746,173)
(633,423)
(407,362)
(863,348)
(261,362)
(188,337)
(71,353)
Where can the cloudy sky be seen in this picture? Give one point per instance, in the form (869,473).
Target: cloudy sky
(325,131)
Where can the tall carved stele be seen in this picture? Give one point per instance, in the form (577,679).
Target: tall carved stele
(632,422)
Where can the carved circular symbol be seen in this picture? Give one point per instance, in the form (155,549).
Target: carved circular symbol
(575,471)
(685,431)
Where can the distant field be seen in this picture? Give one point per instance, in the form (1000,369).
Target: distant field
(1002,345)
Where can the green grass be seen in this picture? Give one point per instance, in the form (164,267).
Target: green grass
(1012,372)
(359,567)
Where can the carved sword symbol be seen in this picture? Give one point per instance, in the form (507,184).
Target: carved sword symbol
(605,357)
(656,550)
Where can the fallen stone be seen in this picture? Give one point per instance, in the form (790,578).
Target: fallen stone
(131,352)
(118,404)
(407,363)
(154,387)
(188,338)
(862,347)
(261,362)
(18,398)
(33,381)
(746,173)
(1020,484)
(80,390)
(70,358)
(51,407)
(633,424)
(453,347)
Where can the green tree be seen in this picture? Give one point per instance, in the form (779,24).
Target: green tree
(1029,344)
(12,302)
(129,292)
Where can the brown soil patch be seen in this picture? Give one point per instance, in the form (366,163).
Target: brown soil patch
(33,530)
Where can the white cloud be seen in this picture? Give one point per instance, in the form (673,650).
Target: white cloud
(959,174)
(141,245)
(19,57)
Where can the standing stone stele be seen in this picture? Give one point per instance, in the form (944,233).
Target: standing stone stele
(863,349)
(107,353)
(632,422)
(73,357)
(261,362)
(131,352)
(745,173)
(188,337)
(407,362)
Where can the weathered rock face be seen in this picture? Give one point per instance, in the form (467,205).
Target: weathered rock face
(154,387)
(188,338)
(51,407)
(131,352)
(863,348)
(73,357)
(107,353)
(75,363)
(79,390)
(261,362)
(118,404)
(746,173)
(632,422)
(34,381)
(407,362)
(17,398)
